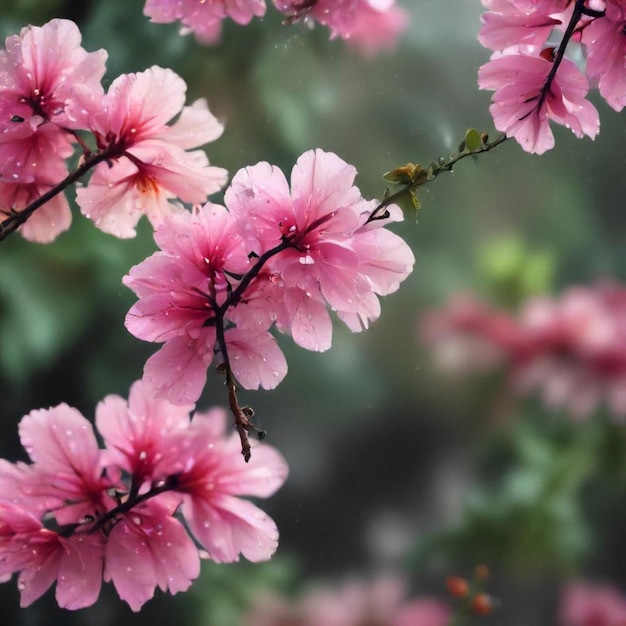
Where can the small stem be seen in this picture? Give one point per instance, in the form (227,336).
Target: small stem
(131,501)
(579,11)
(167,485)
(437,168)
(235,295)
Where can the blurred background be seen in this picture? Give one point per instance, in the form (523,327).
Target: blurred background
(395,467)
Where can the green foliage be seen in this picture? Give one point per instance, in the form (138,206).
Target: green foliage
(513,273)
(528,511)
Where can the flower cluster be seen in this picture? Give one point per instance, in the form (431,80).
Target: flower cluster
(51,92)
(572,350)
(277,256)
(585,604)
(370,25)
(534,82)
(78,514)
(354,602)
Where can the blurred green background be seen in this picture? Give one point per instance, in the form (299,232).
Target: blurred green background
(392,465)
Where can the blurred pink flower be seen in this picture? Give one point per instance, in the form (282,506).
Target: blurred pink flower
(377,30)
(79,514)
(371,25)
(572,350)
(576,350)
(522,108)
(150,163)
(423,612)
(469,336)
(586,604)
(204,19)
(352,603)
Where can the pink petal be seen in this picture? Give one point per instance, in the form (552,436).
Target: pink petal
(195,127)
(322,183)
(255,358)
(228,526)
(144,101)
(261,477)
(177,372)
(135,431)
(149,548)
(61,442)
(311,326)
(80,571)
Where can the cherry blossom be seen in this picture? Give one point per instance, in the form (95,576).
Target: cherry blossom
(522,107)
(204,19)
(332,259)
(277,256)
(79,514)
(149,163)
(39,70)
(182,289)
(535,82)
(606,49)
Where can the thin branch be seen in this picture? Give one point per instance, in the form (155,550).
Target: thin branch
(16,218)
(419,176)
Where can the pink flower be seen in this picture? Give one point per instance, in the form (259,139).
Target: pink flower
(575,353)
(51,219)
(203,18)
(522,107)
(79,514)
(149,164)
(205,469)
(605,39)
(39,70)
(67,464)
(211,476)
(332,259)
(585,604)
(181,289)
(42,557)
(467,336)
(136,430)
(570,350)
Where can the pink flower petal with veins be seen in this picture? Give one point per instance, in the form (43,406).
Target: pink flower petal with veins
(149,548)
(255,358)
